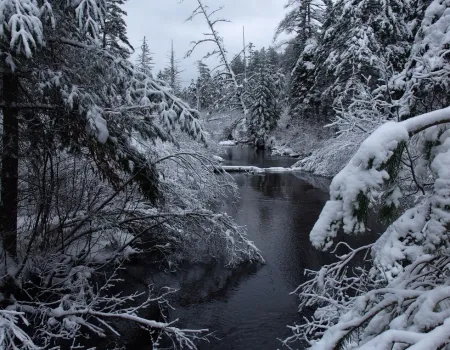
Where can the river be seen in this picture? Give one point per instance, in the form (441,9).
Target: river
(250,308)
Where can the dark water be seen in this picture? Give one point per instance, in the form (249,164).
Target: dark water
(250,308)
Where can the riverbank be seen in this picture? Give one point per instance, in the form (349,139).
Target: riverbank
(315,149)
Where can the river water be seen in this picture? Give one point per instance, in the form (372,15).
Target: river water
(251,308)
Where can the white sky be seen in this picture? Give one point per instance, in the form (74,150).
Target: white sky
(163,20)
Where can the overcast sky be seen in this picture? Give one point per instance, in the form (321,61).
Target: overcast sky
(163,20)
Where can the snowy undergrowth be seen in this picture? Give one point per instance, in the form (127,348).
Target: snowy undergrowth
(319,151)
(398,298)
(330,156)
(216,123)
(192,184)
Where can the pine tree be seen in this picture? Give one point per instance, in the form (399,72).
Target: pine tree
(361,42)
(144,61)
(115,29)
(302,102)
(234,87)
(273,58)
(422,95)
(162,76)
(206,92)
(265,111)
(81,120)
(68,97)
(305,19)
(172,72)
(238,66)
(256,60)
(404,158)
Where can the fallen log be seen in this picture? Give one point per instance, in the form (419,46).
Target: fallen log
(256,170)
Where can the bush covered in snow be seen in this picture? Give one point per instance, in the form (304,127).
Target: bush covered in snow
(94,171)
(397,299)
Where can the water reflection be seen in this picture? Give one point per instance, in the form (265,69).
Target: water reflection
(254,307)
(249,308)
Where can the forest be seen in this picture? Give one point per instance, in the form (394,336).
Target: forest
(109,163)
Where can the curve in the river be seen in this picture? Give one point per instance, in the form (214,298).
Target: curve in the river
(250,308)
(254,307)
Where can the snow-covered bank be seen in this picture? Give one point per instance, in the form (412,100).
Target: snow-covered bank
(320,153)
(330,158)
(327,159)
(218,159)
(285,151)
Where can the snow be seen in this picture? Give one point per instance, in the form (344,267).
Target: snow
(228,143)
(285,151)
(421,229)
(257,170)
(413,125)
(97,124)
(23,20)
(218,159)
(362,175)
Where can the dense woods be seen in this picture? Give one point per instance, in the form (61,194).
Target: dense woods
(104,161)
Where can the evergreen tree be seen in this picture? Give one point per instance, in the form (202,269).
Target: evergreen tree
(302,102)
(205,88)
(422,95)
(304,19)
(273,58)
(144,61)
(256,59)
(81,120)
(265,110)
(189,94)
(172,72)
(238,65)
(68,97)
(162,76)
(401,159)
(115,29)
(361,42)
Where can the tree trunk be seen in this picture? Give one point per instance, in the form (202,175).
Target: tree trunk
(10,163)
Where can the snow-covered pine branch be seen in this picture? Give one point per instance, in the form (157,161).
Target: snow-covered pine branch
(360,184)
(373,308)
